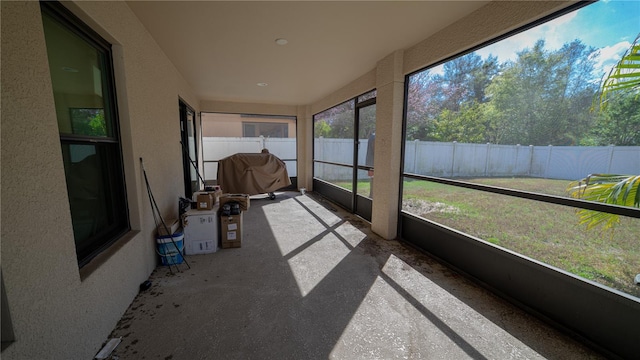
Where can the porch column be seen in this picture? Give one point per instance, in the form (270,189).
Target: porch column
(305,147)
(389,103)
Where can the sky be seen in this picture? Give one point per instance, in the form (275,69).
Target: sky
(608,25)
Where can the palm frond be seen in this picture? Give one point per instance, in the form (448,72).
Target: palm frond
(605,188)
(624,75)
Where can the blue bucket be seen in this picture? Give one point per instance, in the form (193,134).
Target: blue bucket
(169,253)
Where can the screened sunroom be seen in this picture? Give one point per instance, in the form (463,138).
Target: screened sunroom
(437,151)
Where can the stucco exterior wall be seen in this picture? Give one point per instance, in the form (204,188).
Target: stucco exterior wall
(484,24)
(231,125)
(247,108)
(57,310)
(305,148)
(357,87)
(389,104)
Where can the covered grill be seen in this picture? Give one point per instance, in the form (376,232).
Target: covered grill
(250,173)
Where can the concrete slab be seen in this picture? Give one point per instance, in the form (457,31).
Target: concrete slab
(312,282)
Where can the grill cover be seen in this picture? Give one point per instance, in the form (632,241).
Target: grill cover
(249,173)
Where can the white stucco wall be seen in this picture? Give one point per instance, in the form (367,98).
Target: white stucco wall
(389,104)
(247,108)
(56,312)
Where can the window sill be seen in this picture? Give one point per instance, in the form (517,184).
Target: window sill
(104,256)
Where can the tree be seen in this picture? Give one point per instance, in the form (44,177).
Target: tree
(89,122)
(467,125)
(610,188)
(619,122)
(338,121)
(466,78)
(321,129)
(542,97)
(423,104)
(429,95)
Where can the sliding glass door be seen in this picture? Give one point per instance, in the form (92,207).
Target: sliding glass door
(344,138)
(189,149)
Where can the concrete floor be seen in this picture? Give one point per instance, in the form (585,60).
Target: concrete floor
(312,282)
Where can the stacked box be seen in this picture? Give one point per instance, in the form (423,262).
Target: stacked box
(205,201)
(231,231)
(200,231)
(215,193)
(172,225)
(242,199)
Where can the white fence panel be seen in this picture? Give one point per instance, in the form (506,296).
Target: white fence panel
(334,150)
(332,173)
(216,148)
(571,163)
(539,161)
(442,159)
(489,160)
(507,160)
(625,160)
(524,156)
(284,148)
(434,158)
(210,171)
(362,151)
(469,159)
(410,158)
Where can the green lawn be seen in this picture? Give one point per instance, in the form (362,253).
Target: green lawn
(545,232)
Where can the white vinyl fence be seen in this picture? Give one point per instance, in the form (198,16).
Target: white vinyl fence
(487,160)
(440,158)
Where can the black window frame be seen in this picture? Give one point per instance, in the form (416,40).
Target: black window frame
(349,199)
(114,166)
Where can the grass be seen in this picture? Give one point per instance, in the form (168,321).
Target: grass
(545,232)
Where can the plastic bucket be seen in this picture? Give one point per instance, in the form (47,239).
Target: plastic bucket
(166,248)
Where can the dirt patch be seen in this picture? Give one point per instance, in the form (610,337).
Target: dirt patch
(422,207)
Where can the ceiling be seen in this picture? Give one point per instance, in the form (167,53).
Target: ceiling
(225,48)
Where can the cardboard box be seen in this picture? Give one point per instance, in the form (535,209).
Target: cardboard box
(242,199)
(200,231)
(215,193)
(195,194)
(205,201)
(172,224)
(231,231)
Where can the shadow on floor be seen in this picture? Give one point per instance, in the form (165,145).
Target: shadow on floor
(313,282)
